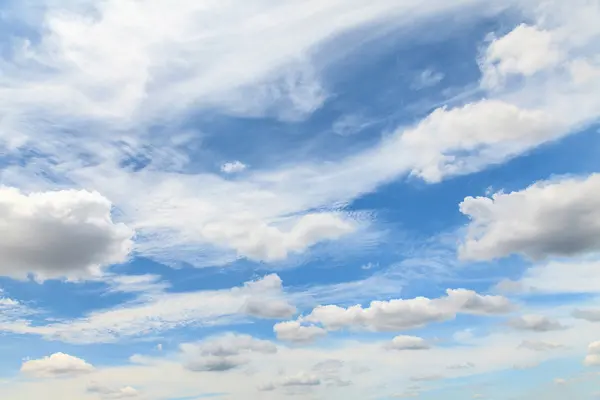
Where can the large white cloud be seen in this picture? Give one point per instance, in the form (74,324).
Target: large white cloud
(402,314)
(553,218)
(58,234)
(57,364)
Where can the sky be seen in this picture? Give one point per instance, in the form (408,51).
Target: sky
(309,199)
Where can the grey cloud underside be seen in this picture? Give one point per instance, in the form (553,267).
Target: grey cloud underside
(554,218)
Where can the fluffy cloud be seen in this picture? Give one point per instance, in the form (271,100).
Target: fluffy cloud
(554,218)
(56,365)
(105,392)
(233,167)
(537,323)
(524,51)
(408,343)
(593,357)
(263,242)
(158,313)
(66,233)
(293,331)
(223,353)
(401,314)
(452,141)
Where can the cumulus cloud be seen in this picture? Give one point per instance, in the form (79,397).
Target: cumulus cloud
(68,233)
(223,353)
(536,323)
(452,141)
(293,331)
(403,342)
(524,51)
(106,392)
(553,218)
(233,167)
(56,365)
(401,314)
(593,357)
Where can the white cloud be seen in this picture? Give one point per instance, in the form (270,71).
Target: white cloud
(223,353)
(233,167)
(58,234)
(593,357)
(466,139)
(536,323)
(524,51)
(196,216)
(262,242)
(155,314)
(403,342)
(56,365)
(401,314)
(126,392)
(554,218)
(174,207)
(293,331)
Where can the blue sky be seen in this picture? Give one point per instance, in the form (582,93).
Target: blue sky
(308,199)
